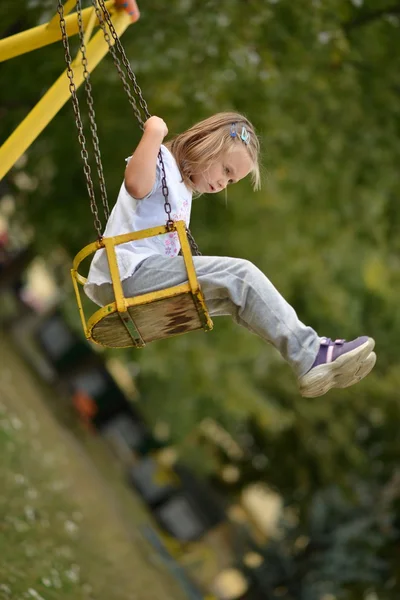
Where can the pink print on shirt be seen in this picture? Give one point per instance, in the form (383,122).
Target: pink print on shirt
(171,241)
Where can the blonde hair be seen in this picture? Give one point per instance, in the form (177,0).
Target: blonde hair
(205,141)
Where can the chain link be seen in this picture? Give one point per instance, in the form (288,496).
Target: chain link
(92,114)
(78,120)
(192,242)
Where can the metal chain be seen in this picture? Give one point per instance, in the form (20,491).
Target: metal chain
(92,114)
(78,120)
(124,58)
(142,103)
(194,247)
(117,63)
(164,187)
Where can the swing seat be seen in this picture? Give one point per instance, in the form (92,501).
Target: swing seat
(128,322)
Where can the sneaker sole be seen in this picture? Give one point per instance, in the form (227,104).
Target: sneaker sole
(364,368)
(345,371)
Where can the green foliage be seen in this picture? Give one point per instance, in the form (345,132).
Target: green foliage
(336,552)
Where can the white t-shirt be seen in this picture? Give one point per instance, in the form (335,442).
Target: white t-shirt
(130,215)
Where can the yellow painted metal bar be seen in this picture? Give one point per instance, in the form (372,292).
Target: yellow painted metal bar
(79,302)
(85,252)
(54,99)
(120,239)
(197,294)
(143,233)
(182,288)
(80,279)
(115,277)
(187,256)
(45,34)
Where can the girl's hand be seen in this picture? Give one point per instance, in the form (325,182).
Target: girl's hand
(156,125)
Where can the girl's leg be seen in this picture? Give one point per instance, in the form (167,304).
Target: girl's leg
(235,287)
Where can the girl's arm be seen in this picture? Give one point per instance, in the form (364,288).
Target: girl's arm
(140,173)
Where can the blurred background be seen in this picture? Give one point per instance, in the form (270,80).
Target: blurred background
(192,468)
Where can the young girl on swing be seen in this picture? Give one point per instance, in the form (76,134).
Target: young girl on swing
(211,155)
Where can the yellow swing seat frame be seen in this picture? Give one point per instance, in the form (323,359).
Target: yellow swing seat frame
(136,321)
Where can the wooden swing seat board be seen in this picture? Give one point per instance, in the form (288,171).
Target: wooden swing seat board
(136,321)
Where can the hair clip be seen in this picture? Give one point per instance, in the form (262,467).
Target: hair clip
(244,135)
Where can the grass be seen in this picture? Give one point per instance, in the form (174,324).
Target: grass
(68,524)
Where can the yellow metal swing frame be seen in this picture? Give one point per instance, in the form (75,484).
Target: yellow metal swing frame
(126,321)
(58,94)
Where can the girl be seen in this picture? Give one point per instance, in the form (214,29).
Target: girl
(206,158)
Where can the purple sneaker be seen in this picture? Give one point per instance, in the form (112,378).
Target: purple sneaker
(338,364)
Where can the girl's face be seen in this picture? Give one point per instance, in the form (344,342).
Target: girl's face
(230,167)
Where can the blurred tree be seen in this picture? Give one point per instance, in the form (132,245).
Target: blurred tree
(336,551)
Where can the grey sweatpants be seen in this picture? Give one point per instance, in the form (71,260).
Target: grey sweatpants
(235,287)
